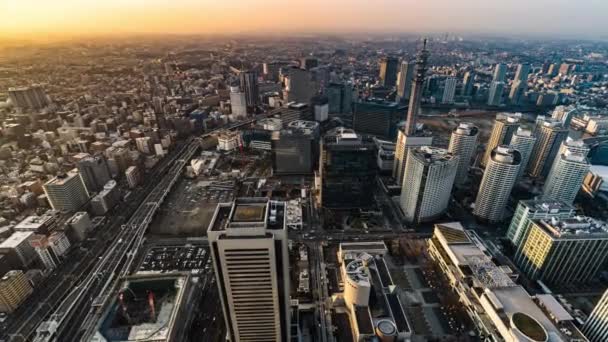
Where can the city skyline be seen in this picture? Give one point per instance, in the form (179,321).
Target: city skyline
(36,20)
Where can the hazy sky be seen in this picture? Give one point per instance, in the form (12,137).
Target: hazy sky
(40,18)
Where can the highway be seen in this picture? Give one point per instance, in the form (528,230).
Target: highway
(48,295)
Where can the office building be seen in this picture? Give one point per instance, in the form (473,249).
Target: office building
(371,298)
(20,252)
(410,136)
(377,117)
(94,171)
(386,155)
(516,95)
(340,96)
(596,325)
(148,307)
(347,170)
(249,85)
(495,94)
(320,108)
(66,192)
(498,179)
(504,126)
(238,101)
(500,309)
(427,183)
(41,246)
(295,149)
(299,85)
(522,73)
(523,141)
(14,289)
(529,210)
(32,97)
(500,73)
(467,84)
(449,90)
(133,176)
(562,252)
(549,135)
(248,240)
(404,81)
(463,144)
(566,177)
(388,71)
(308,63)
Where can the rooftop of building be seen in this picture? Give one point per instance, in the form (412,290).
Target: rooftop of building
(430,154)
(509,118)
(577,227)
(9,275)
(15,239)
(521,132)
(506,155)
(251,212)
(347,137)
(34,222)
(145,309)
(63,178)
(227,134)
(575,157)
(547,206)
(466,128)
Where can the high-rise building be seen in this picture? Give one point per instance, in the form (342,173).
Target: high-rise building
(501,309)
(553,69)
(404,81)
(403,145)
(14,289)
(497,182)
(427,184)
(463,144)
(295,149)
(32,97)
(575,146)
(347,170)
(449,90)
(500,73)
(564,114)
(495,94)
(566,177)
(66,192)
(299,85)
(409,137)
(248,240)
(388,71)
(565,68)
(518,88)
(522,73)
(377,117)
(563,252)
(504,126)
(249,85)
(523,140)
(340,98)
(549,135)
(238,101)
(319,105)
(596,325)
(529,210)
(308,63)
(94,171)
(467,84)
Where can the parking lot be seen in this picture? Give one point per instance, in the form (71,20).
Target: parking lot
(176,258)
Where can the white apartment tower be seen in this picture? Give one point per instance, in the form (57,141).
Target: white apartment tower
(523,141)
(566,177)
(504,126)
(498,180)
(248,240)
(427,183)
(463,143)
